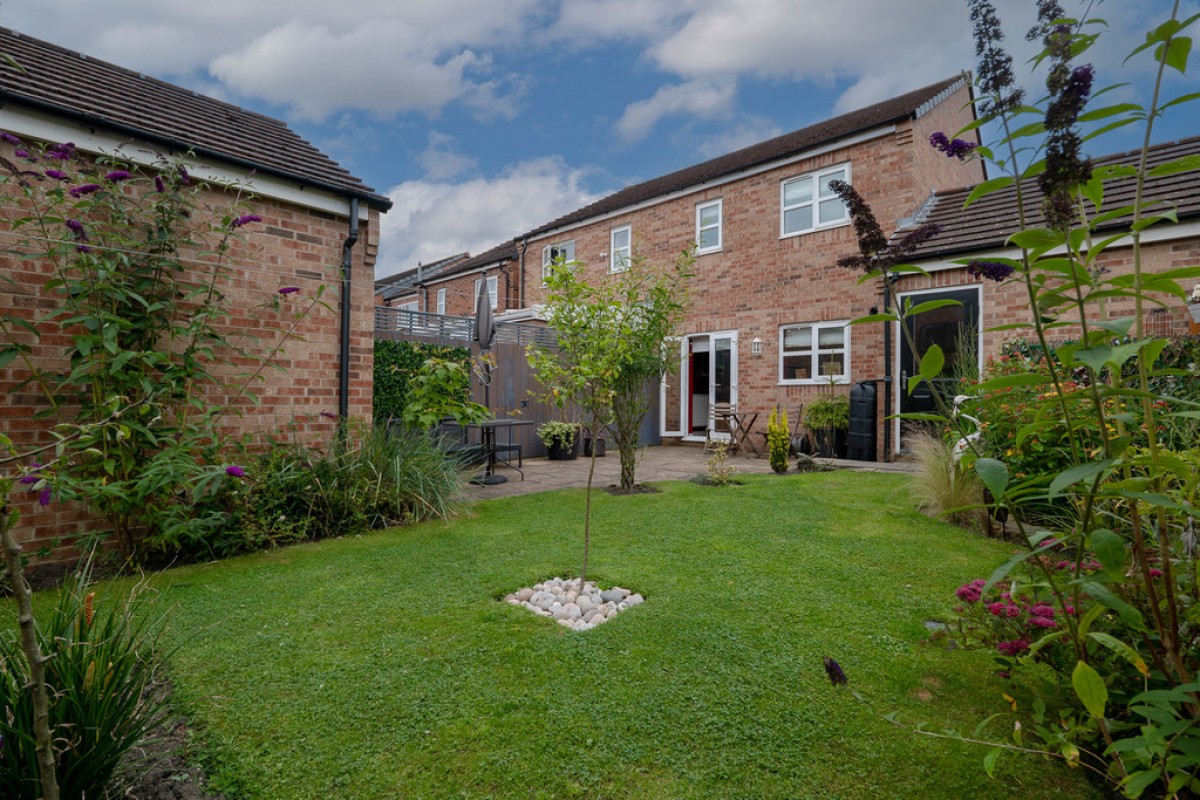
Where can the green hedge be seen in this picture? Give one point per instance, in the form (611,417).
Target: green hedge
(395,362)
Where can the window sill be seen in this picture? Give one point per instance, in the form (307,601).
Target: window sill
(710,251)
(830,227)
(836,380)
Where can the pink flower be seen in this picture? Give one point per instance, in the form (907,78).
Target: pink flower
(1013,648)
(1042,622)
(234,471)
(1155,572)
(971,592)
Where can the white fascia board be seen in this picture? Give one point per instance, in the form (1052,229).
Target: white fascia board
(874,133)
(1153,235)
(48,127)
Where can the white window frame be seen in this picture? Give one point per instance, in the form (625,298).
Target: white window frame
(813,202)
(620,256)
(719,226)
(409,305)
(565,249)
(815,352)
(441,301)
(493,290)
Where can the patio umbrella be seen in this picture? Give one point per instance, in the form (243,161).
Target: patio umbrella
(485,333)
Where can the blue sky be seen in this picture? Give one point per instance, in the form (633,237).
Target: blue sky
(485,118)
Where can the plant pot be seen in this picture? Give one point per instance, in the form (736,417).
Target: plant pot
(831,442)
(558,451)
(600,447)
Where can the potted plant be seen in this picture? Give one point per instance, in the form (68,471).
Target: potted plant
(598,442)
(828,417)
(561,439)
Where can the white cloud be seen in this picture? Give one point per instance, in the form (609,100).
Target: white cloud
(697,98)
(441,160)
(432,219)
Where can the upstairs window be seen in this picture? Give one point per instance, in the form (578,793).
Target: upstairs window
(708,227)
(620,248)
(807,203)
(493,290)
(552,254)
(815,352)
(441,301)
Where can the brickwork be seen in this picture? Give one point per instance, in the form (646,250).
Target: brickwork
(291,246)
(760,281)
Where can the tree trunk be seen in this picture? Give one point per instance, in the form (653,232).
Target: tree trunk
(587,519)
(37,664)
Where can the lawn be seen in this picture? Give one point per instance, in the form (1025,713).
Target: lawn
(385,667)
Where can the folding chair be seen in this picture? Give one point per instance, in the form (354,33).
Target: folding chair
(720,420)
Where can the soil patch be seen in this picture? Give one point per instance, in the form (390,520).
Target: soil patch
(638,488)
(164,767)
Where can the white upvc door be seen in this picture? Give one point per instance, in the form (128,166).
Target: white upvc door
(707,375)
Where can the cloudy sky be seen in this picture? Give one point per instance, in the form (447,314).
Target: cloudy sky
(485,118)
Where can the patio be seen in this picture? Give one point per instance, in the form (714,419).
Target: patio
(660,463)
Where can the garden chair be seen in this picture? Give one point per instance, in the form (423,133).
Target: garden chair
(721,419)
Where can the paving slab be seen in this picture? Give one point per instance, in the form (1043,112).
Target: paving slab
(657,463)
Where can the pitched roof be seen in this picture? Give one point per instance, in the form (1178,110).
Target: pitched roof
(106,96)
(406,281)
(506,251)
(987,223)
(905,106)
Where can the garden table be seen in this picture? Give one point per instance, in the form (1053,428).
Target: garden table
(487,439)
(741,425)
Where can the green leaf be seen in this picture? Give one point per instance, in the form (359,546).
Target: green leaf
(1109,548)
(930,305)
(1177,165)
(932,363)
(1090,689)
(1077,473)
(875,318)
(1001,572)
(7,355)
(1104,596)
(987,187)
(1175,53)
(1038,240)
(994,475)
(989,761)
(1123,650)
(1139,782)
(1020,379)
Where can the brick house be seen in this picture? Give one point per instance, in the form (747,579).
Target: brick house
(320,225)
(406,289)
(453,290)
(769,314)
(980,231)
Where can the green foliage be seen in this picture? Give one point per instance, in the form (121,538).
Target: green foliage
(1094,620)
(778,441)
(941,484)
(558,434)
(104,679)
(396,362)
(830,411)
(613,342)
(293,492)
(139,268)
(440,390)
(718,470)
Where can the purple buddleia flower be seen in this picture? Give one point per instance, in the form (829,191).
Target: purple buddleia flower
(33,476)
(159,186)
(953,148)
(329,415)
(875,254)
(75,225)
(245,219)
(118,175)
(184,178)
(61,152)
(57,174)
(87,188)
(834,670)
(995,74)
(234,471)
(286,290)
(45,495)
(8,137)
(992,270)
(25,154)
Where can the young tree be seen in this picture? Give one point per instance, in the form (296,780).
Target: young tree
(612,340)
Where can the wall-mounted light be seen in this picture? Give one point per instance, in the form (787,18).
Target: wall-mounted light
(756,347)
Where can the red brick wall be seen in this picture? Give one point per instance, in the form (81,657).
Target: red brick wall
(758,281)
(292,246)
(460,291)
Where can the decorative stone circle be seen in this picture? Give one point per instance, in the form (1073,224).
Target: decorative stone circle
(562,601)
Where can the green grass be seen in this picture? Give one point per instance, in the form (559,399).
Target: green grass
(385,667)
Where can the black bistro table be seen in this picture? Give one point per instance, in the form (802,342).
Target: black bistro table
(487,440)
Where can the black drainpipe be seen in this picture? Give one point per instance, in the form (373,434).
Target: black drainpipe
(344,371)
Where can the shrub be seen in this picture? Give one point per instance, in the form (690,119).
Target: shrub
(777,439)
(941,485)
(395,365)
(828,412)
(102,679)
